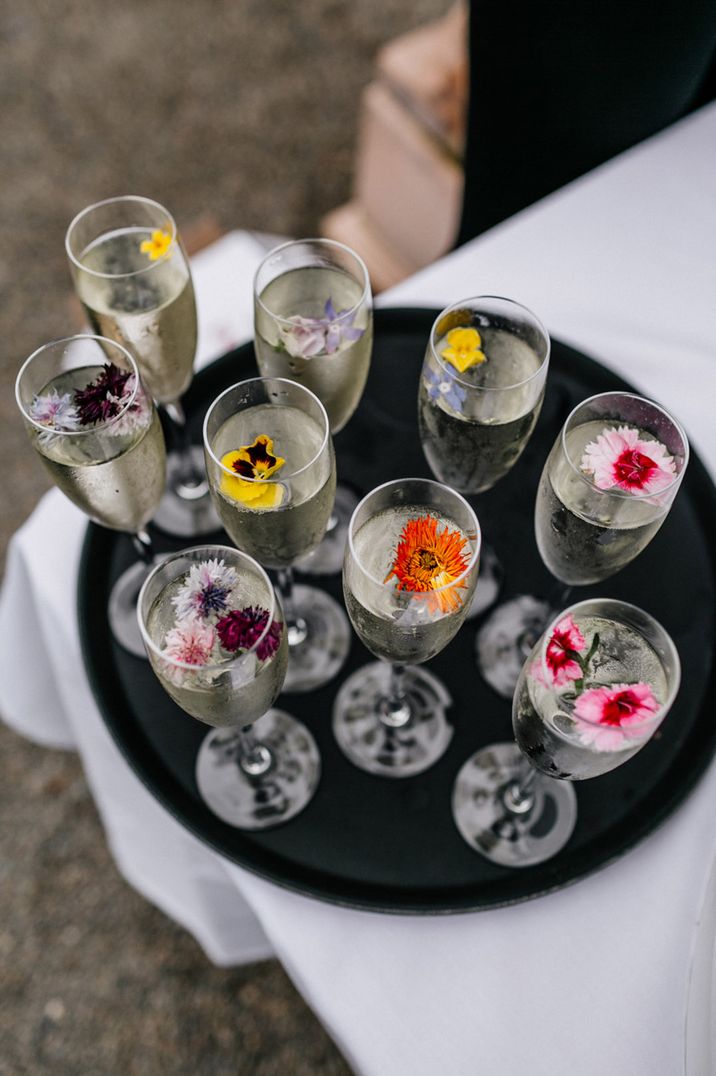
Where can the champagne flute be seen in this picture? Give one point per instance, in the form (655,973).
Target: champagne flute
(313,324)
(592,692)
(605,490)
(216,639)
(272,474)
(132,275)
(98,435)
(481,392)
(409,575)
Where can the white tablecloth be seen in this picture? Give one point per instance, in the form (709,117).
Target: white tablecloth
(592,979)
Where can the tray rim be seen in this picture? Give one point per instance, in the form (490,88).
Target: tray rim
(364,896)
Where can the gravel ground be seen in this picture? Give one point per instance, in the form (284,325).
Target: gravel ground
(246,111)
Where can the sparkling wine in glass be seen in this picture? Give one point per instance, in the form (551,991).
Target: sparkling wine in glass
(592,693)
(409,575)
(272,474)
(605,490)
(313,324)
(480,395)
(132,275)
(98,435)
(216,638)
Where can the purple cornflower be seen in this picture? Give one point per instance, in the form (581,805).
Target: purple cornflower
(104,398)
(205,591)
(240,629)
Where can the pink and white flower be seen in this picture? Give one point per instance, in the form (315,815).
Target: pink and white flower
(565,642)
(620,459)
(207,590)
(608,718)
(190,643)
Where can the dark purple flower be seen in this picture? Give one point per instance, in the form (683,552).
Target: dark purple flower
(104,398)
(240,629)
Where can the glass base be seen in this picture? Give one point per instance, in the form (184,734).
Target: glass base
(378,748)
(506,638)
(186,511)
(327,558)
(268,799)
(489,582)
(512,840)
(323,651)
(122,611)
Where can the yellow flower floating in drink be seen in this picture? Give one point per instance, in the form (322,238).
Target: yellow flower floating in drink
(251,463)
(428,561)
(464,349)
(157,246)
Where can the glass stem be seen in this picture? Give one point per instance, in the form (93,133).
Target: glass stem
(254,758)
(143,547)
(519,796)
(559,594)
(189,481)
(395,709)
(296,626)
(332,522)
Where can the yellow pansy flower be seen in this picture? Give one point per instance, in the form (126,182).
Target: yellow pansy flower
(252,462)
(463,350)
(157,246)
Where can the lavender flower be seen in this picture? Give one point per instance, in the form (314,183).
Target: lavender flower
(309,337)
(445,385)
(54,410)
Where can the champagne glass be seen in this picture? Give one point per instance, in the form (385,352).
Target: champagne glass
(313,324)
(606,488)
(481,392)
(131,273)
(592,692)
(272,474)
(216,639)
(409,575)
(98,435)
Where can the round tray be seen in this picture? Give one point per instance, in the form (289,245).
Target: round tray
(391,845)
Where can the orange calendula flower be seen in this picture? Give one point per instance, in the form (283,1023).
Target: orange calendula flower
(463,350)
(157,246)
(427,559)
(250,464)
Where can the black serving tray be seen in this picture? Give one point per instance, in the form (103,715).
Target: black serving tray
(391,845)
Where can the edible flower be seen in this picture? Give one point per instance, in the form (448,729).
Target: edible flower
(240,629)
(463,350)
(562,652)
(445,386)
(619,458)
(309,337)
(157,246)
(55,410)
(206,590)
(606,716)
(105,397)
(427,559)
(190,642)
(250,464)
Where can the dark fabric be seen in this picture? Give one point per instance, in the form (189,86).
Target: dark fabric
(559,86)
